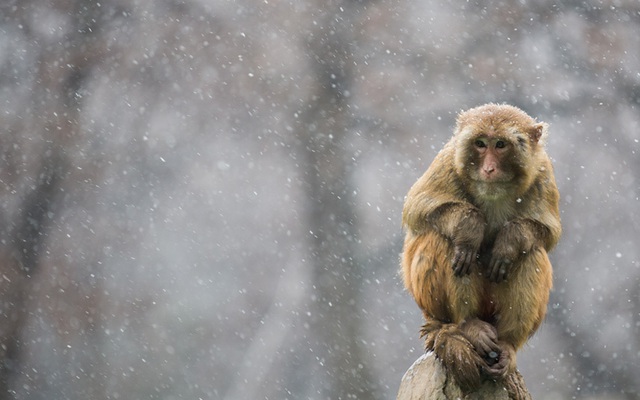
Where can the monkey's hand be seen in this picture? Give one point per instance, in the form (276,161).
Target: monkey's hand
(484,338)
(505,251)
(498,268)
(467,240)
(463,258)
(505,362)
(499,358)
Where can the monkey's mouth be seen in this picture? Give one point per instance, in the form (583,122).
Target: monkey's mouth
(493,178)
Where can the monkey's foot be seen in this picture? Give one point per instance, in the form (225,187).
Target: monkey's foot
(503,364)
(484,338)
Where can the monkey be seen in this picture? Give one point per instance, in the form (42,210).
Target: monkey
(479,225)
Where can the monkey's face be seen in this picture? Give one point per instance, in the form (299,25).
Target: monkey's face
(496,150)
(488,162)
(493,160)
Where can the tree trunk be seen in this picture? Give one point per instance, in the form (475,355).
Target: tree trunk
(427,379)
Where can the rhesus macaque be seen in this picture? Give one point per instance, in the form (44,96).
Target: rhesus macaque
(479,224)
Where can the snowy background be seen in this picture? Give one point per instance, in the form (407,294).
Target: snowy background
(202,198)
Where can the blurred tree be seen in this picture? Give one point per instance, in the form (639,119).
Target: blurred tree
(337,275)
(39,162)
(152,224)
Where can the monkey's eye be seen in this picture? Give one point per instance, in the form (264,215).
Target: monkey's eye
(479,143)
(501,144)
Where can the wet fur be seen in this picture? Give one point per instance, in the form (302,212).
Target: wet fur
(450,212)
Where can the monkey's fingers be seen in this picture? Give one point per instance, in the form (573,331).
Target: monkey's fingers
(462,260)
(468,260)
(498,270)
(488,348)
(458,261)
(504,364)
(491,270)
(500,368)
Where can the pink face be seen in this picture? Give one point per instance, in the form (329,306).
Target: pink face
(491,153)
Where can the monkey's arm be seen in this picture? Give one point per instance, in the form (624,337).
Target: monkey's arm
(462,224)
(436,187)
(436,203)
(517,238)
(539,226)
(548,212)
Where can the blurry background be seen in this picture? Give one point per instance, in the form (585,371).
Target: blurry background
(202,198)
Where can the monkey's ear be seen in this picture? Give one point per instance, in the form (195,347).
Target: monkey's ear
(538,131)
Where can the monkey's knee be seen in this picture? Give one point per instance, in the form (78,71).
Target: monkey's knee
(517,320)
(515,327)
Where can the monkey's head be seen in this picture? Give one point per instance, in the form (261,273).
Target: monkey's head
(498,150)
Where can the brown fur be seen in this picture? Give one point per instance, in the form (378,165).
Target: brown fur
(479,223)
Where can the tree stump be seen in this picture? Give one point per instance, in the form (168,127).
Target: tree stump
(427,379)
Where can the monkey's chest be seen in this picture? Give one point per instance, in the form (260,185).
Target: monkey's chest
(499,211)
(496,215)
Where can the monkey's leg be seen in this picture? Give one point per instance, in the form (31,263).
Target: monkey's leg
(521,305)
(446,301)
(429,276)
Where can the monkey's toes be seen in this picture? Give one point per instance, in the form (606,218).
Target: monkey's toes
(496,370)
(491,358)
(497,365)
